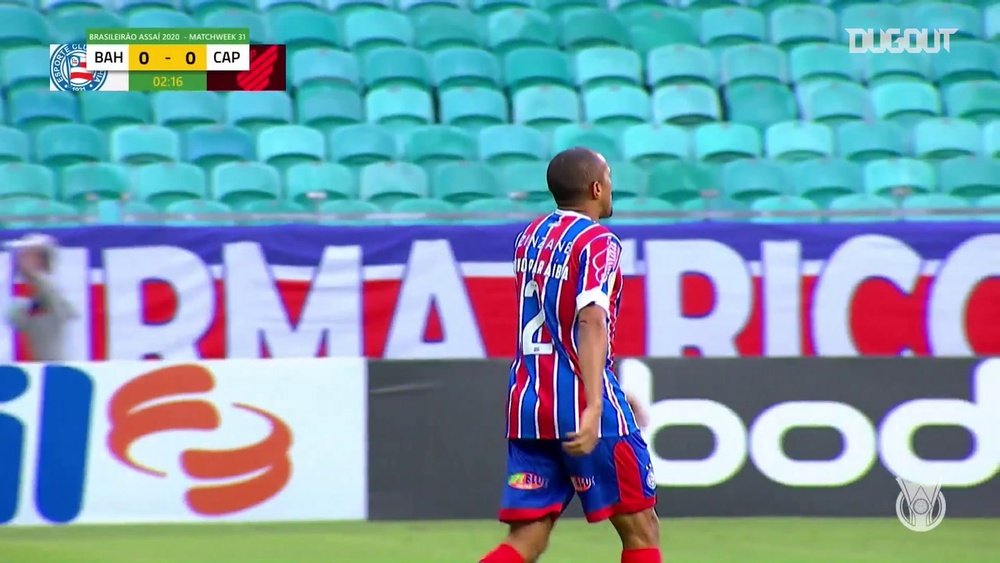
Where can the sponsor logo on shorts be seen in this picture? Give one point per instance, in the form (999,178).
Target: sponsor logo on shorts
(526,482)
(583,484)
(650,477)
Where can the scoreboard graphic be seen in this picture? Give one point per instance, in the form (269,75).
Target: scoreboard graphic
(153,60)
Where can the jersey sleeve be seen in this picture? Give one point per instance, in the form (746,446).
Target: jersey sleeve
(599,263)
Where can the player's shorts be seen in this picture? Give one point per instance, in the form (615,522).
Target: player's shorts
(616,478)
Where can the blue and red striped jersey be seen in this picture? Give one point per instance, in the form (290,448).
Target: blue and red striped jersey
(563,262)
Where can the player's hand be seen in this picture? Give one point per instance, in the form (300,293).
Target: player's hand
(639,409)
(583,442)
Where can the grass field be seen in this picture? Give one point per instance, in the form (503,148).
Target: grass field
(691,540)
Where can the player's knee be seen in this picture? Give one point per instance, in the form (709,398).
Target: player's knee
(530,540)
(641,531)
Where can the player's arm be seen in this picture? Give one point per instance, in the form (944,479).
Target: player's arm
(592,343)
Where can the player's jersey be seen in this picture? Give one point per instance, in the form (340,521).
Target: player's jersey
(563,262)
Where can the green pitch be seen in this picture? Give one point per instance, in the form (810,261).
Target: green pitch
(694,540)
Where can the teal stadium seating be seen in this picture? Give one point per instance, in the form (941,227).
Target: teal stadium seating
(426,107)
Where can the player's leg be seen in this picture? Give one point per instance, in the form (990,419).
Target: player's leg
(536,493)
(616,482)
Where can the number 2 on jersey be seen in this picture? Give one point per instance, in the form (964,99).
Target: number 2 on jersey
(534,327)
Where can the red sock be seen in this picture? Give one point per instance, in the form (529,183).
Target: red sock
(504,554)
(647,555)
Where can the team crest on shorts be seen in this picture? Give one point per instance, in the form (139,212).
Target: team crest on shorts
(650,477)
(68,70)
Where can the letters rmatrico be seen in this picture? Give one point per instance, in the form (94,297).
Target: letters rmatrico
(446,292)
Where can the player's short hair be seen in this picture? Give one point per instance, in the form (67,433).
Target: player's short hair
(571,173)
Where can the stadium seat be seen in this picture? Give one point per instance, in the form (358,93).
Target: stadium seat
(345,7)
(991,139)
(978,100)
(108,110)
(906,102)
(201,8)
(348,207)
(803,23)
(431,145)
(798,140)
(326,67)
(722,142)
(385,183)
(326,108)
(14,145)
(465,66)
(144,144)
(267,211)
(399,107)
(30,110)
(641,205)
(649,143)
(126,7)
(680,181)
(525,181)
(515,28)
(773,209)
(870,15)
(992,15)
(871,140)
(822,61)
(251,20)
(888,176)
(361,144)
(185,110)
(492,6)
(396,66)
(970,177)
(546,107)
(968,60)
(824,179)
(606,66)
(473,107)
(300,27)
(732,25)
(563,7)
(616,108)
(198,212)
(686,104)
(40,213)
(753,63)
(26,68)
(680,64)
(71,25)
(415,211)
(283,146)
(19,179)
(254,111)
(311,182)
(747,180)
(365,30)
(592,27)
(494,211)
(929,204)
(503,144)
(536,66)
(584,135)
(656,26)
(716,204)
(836,103)
(967,20)
(238,183)
(69,143)
(629,180)
(446,28)
(86,181)
(761,105)
(161,18)
(862,208)
(464,181)
(211,145)
(21,27)
(900,67)
(941,138)
(164,183)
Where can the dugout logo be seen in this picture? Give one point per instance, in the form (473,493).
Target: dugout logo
(230,481)
(68,69)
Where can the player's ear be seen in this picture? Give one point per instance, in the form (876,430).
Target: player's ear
(595,189)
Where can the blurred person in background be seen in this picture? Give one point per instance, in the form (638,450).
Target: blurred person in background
(42,316)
